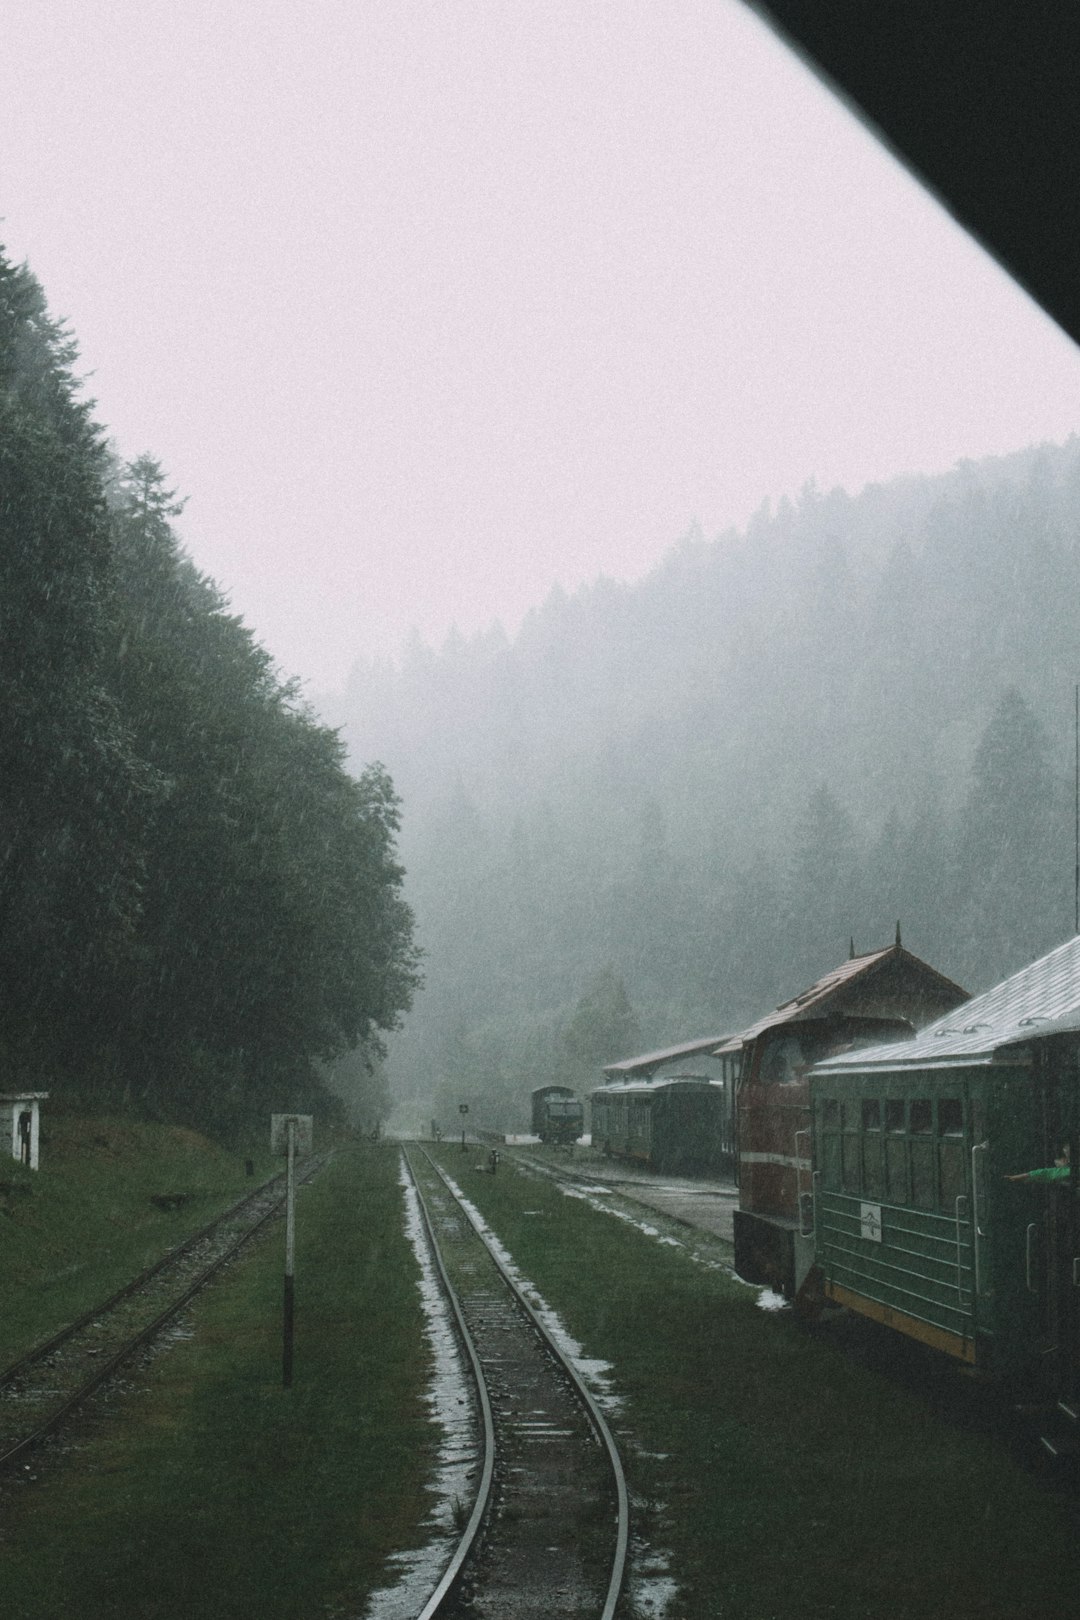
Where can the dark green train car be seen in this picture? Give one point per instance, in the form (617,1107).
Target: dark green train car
(675,1125)
(557,1115)
(915,1220)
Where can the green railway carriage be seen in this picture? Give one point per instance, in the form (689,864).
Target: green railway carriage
(557,1115)
(675,1125)
(915,1221)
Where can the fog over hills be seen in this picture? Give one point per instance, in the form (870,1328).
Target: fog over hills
(858,709)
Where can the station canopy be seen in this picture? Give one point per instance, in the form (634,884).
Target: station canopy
(644,1067)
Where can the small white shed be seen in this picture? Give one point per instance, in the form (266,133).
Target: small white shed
(20,1120)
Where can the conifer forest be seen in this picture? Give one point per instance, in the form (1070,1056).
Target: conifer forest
(680,801)
(201,909)
(648,815)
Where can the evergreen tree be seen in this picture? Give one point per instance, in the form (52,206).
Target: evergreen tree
(604,1026)
(1013,857)
(274,933)
(823,904)
(73,790)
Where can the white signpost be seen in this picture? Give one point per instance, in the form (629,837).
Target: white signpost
(289,1134)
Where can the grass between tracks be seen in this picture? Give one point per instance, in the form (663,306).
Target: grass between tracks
(75,1230)
(785,1477)
(211,1493)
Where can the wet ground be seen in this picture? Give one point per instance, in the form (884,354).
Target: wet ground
(708,1205)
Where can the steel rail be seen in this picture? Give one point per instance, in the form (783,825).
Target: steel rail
(596,1417)
(103,1373)
(452,1574)
(39,1351)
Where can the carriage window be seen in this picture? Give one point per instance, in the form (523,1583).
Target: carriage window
(830,1114)
(894,1115)
(922,1117)
(871,1114)
(950,1116)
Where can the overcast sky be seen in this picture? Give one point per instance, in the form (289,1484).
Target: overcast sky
(425,304)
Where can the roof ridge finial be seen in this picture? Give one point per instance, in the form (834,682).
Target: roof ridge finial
(898,933)
(851,954)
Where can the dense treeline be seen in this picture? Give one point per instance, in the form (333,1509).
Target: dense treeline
(200,909)
(709,782)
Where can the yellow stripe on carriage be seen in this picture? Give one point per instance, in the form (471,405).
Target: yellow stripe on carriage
(953,1344)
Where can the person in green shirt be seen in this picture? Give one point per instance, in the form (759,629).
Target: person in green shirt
(1058,1171)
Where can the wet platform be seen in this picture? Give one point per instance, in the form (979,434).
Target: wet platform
(701,1202)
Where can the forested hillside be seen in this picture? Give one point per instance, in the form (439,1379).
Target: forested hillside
(200,909)
(702,786)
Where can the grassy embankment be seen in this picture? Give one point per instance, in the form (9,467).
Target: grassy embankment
(785,1477)
(75,1230)
(210,1491)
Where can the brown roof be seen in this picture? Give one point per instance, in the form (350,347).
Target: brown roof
(813,1001)
(1040,1000)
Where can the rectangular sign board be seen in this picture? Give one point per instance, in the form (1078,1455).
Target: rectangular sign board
(279,1132)
(870,1222)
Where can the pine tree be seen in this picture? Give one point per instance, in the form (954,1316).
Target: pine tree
(73,790)
(1013,855)
(604,1026)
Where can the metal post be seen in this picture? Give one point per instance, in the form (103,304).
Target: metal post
(290,1258)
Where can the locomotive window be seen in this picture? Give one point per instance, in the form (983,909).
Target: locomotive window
(922,1117)
(950,1116)
(871,1114)
(894,1115)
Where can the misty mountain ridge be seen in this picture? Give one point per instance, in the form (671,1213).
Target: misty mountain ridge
(710,779)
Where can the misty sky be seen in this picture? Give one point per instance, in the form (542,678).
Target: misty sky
(425,305)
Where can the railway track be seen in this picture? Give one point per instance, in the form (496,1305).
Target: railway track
(548,1531)
(46,1386)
